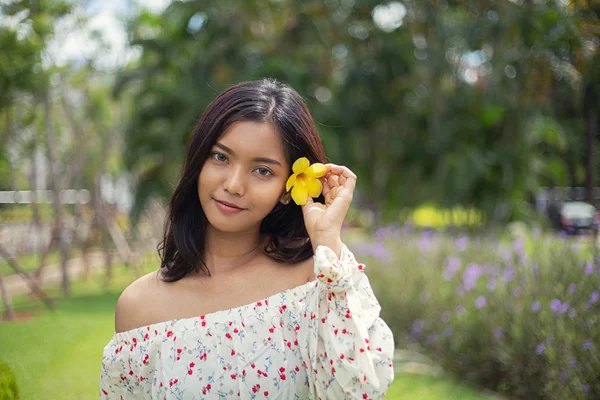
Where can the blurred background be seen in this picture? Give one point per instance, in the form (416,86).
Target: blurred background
(472,125)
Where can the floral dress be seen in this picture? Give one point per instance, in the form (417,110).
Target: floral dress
(321,340)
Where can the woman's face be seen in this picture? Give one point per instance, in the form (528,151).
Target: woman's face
(244,176)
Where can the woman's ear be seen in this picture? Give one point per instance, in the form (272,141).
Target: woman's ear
(285,198)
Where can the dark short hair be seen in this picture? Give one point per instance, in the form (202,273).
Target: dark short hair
(266,100)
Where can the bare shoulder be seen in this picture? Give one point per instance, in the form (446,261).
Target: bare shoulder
(135,302)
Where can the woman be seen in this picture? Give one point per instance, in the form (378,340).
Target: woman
(256,296)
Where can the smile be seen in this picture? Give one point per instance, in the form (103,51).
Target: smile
(227,208)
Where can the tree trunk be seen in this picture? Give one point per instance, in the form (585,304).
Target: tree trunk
(30,282)
(78,168)
(106,244)
(7,131)
(55,188)
(590,112)
(54,237)
(10,314)
(36,223)
(101,221)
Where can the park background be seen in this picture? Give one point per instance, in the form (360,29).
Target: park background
(462,119)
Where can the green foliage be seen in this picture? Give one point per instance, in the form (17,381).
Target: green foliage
(19,65)
(21,58)
(21,214)
(459,103)
(4,170)
(8,384)
(515,314)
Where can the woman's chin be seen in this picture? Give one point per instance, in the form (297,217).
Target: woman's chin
(227,226)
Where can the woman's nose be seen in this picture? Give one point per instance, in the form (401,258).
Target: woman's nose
(234,182)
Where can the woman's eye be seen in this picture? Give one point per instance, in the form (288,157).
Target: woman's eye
(219,156)
(264,171)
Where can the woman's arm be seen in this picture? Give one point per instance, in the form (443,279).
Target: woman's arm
(350,348)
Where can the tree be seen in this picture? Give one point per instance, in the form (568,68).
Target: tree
(37,19)
(445,102)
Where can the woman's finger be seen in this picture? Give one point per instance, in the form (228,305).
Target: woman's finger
(339,170)
(333,181)
(350,183)
(331,195)
(326,187)
(337,191)
(338,177)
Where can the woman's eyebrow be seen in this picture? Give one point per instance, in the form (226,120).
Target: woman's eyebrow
(259,159)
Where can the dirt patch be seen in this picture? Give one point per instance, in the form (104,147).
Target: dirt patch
(19,316)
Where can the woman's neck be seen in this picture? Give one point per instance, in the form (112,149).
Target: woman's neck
(225,252)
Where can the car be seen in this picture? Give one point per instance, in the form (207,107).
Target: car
(575,217)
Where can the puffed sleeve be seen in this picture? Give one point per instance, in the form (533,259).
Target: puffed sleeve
(349,347)
(114,382)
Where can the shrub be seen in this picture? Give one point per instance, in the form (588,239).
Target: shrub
(8,384)
(517,315)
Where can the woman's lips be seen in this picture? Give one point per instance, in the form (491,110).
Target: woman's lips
(226,208)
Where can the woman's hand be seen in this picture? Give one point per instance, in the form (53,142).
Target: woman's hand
(324,221)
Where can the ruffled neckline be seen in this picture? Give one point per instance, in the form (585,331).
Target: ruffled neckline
(216,317)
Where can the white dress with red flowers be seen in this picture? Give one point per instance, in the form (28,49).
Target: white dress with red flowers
(321,340)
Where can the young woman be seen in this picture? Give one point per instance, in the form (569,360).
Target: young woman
(256,296)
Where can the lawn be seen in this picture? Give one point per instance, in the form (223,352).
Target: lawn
(57,355)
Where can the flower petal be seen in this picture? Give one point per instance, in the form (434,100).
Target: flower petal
(300,193)
(316,170)
(300,165)
(290,182)
(314,187)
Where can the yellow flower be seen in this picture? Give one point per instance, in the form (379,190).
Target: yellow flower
(305,181)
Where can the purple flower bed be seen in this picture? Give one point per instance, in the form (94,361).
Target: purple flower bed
(520,316)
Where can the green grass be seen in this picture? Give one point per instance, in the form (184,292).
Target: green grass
(424,387)
(57,354)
